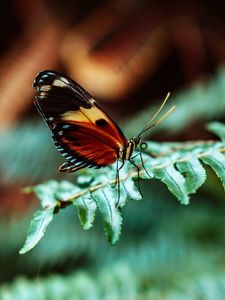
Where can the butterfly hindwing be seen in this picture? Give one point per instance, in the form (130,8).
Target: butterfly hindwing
(81,130)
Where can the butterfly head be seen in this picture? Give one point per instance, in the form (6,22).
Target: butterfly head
(138,141)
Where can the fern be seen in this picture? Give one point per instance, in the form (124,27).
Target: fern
(178,165)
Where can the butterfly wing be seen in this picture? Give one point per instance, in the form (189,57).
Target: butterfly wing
(81,130)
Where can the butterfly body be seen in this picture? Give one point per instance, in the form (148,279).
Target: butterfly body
(81,130)
(128,150)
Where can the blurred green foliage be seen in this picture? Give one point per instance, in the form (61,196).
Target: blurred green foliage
(203,101)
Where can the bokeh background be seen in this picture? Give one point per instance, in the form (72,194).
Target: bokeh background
(128,54)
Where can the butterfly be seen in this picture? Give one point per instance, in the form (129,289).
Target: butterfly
(81,130)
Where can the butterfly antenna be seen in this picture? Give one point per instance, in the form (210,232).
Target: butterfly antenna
(155,115)
(161,107)
(165,115)
(148,126)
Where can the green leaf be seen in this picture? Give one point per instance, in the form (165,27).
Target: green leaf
(161,148)
(218,129)
(216,161)
(120,194)
(38,225)
(45,192)
(194,174)
(174,181)
(111,217)
(64,190)
(51,192)
(86,208)
(130,189)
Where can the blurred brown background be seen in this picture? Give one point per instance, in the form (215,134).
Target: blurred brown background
(125,53)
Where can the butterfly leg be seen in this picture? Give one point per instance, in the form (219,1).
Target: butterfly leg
(117,173)
(143,165)
(138,171)
(142,162)
(117,181)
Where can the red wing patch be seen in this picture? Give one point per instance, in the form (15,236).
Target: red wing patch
(86,146)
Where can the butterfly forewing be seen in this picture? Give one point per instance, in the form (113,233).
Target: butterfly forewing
(81,130)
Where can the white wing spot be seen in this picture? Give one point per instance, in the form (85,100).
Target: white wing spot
(59,83)
(43,94)
(45,88)
(64,80)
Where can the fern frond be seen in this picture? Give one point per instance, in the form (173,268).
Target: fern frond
(178,165)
